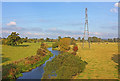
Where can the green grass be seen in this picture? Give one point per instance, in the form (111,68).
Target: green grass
(13,53)
(99,59)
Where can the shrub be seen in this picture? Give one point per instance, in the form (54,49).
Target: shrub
(64,44)
(4,41)
(43,45)
(55,45)
(74,53)
(35,41)
(63,66)
(75,48)
(41,52)
(15,69)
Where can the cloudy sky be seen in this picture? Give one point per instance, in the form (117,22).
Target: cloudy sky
(53,19)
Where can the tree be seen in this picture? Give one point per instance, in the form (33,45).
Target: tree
(99,40)
(59,37)
(64,66)
(41,40)
(94,39)
(55,45)
(73,41)
(14,39)
(79,39)
(90,39)
(25,39)
(47,39)
(41,52)
(43,45)
(115,40)
(82,40)
(4,41)
(64,44)
(75,48)
(110,40)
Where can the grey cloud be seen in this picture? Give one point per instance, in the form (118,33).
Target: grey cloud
(36,29)
(110,27)
(44,20)
(52,33)
(73,24)
(59,31)
(13,28)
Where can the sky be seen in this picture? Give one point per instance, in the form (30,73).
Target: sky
(60,0)
(53,19)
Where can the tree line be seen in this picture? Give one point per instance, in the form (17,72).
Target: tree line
(15,39)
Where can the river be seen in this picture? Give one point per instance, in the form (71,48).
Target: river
(37,73)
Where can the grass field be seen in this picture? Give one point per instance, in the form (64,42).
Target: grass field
(99,59)
(13,53)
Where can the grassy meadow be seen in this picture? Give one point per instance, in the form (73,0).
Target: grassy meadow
(13,53)
(100,59)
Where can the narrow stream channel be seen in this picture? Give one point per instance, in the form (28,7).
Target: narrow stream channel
(37,73)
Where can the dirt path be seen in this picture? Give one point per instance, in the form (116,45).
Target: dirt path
(99,59)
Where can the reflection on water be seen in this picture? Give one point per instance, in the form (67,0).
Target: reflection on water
(38,72)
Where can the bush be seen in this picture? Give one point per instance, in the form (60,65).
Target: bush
(15,69)
(74,53)
(4,41)
(55,45)
(41,52)
(43,45)
(35,41)
(63,66)
(75,48)
(64,44)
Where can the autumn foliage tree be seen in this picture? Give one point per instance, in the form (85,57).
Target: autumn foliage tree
(14,39)
(75,48)
(43,45)
(64,44)
(42,50)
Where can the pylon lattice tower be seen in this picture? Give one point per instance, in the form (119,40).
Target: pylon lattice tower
(86,30)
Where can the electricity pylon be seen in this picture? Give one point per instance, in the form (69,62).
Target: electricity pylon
(86,30)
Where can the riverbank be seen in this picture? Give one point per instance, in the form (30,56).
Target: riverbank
(15,53)
(15,69)
(56,49)
(38,72)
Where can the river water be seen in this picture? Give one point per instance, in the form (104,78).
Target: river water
(37,73)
